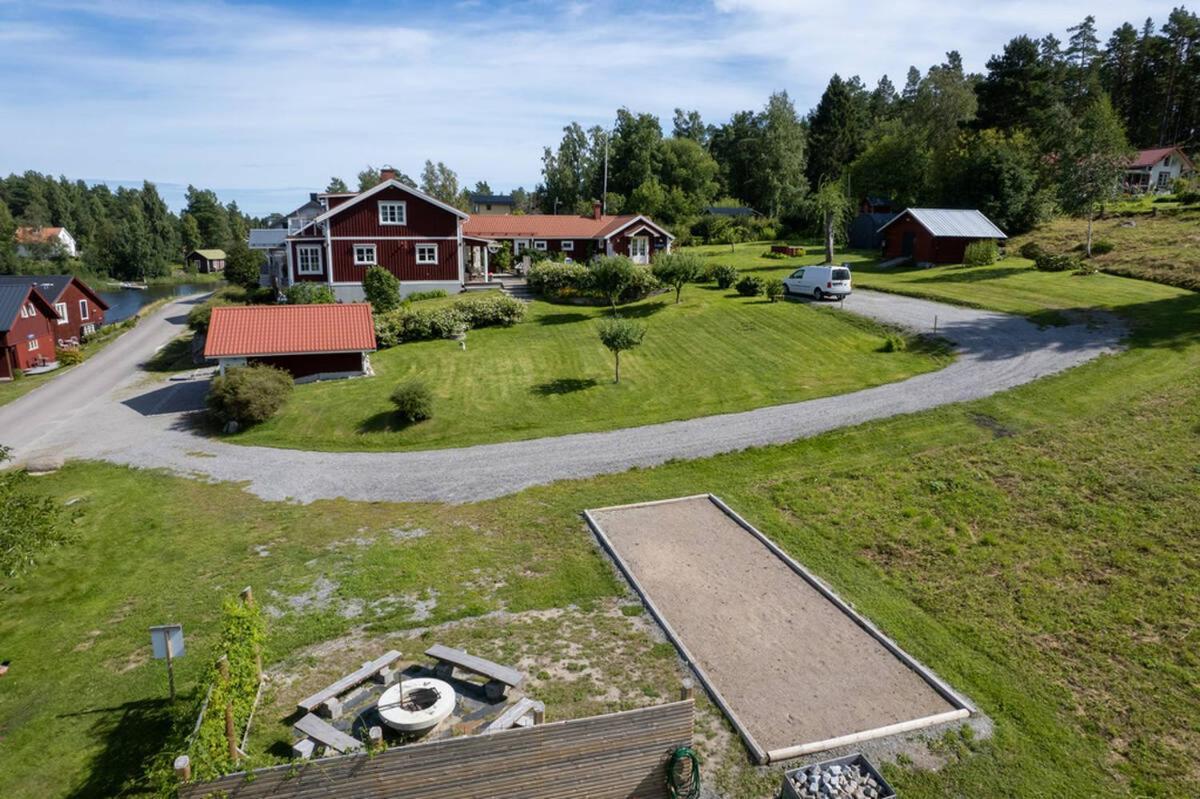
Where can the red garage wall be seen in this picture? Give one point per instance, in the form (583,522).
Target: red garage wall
(39,328)
(317,363)
(926,247)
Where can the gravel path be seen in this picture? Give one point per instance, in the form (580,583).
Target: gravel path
(148,427)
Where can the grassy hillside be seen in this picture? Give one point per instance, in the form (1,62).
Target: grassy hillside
(1162,245)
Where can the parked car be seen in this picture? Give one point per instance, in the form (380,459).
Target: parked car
(819,282)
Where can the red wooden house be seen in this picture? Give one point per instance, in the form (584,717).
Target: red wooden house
(80,310)
(415,237)
(936,235)
(27,326)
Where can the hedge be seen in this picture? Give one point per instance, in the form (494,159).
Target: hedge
(409,323)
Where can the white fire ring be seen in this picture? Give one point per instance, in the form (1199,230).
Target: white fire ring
(398,717)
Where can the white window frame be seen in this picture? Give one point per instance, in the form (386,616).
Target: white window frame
(540,245)
(386,207)
(34,344)
(567,246)
(374,255)
(300,266)
(61,309)
(425,261)
(83,309)
(27,310)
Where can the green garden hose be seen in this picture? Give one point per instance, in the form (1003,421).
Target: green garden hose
(689,787)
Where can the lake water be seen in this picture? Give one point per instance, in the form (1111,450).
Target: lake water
(124,303)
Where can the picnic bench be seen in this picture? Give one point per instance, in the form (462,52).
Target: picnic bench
(499,678)
(318,731)
(525,712)
(327,701)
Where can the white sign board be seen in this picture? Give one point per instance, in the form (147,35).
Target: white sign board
(159,636)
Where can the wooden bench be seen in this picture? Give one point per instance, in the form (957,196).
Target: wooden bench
(525,712)
(319,731)
(499,678)
(326,700)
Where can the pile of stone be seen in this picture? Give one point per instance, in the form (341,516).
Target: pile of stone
(850,781)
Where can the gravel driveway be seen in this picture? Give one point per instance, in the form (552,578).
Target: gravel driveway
(147,427)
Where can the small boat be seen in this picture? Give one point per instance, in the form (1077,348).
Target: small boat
(134,286)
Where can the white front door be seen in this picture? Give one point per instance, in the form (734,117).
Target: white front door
(639,249)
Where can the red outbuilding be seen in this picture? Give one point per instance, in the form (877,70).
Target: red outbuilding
(312,342)
(27,325)
(936,235)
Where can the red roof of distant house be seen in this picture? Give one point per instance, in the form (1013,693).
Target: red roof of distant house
(548,226)
(37,235)
(1148,158)
(254,330)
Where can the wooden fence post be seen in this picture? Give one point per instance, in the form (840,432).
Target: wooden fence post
(686,690)
(248,600)
(230,733)
(183,768)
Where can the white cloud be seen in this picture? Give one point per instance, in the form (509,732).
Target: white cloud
(232,95)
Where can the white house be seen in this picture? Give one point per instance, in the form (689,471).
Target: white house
(46,241)
(1156,170)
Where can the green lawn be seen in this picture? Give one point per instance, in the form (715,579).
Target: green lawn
(550,375)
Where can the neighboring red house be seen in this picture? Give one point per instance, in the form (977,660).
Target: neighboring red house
(27,323)
(936,235)
(312,342)
(415,237)
(80,310)
(578,237)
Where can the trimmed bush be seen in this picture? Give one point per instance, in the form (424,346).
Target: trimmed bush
(981,253)
(1048,262)
(310,293)
(1031,250)
(750,286)
(69,357)
(491,309)
(382,289)
(642,282)
(1102,247)
(432,294)
(894,343)
(413,401)
(248,394)
(550,278)
(773,289)
(724,275)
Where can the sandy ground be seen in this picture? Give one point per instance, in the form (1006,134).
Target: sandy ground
(794,667)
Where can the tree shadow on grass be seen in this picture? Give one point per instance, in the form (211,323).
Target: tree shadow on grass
(974,275)
(563,385)
(562,318)
(384,422)
(131,736)
(641,311)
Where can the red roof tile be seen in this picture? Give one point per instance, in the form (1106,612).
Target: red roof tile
(547,226)
(245,330)
(37,235)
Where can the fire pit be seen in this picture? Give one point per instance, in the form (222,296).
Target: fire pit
(416,705)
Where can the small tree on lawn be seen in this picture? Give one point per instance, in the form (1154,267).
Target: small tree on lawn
(1090,171)
(29,521)
(619,335)
(610,275)
(243,265)
(382,289)
(731,235)
(830,205)
(677,268)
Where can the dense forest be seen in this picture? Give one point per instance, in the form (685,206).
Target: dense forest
(996,141)
(1037,133)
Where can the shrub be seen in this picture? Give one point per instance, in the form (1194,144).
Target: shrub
(724,275)
(381,288)
(29,521)
(69,357)
(981,253)
(676,269)
(750,286)
(894,343)
(550,278)
(773,289)
(432,294)
(642,282)
(418,324)
(492,308)
(198,318)
(1031,250)
(1188,197)
(610,275)
(413,400)
(248,394)
(618,335)
(310,293)
(1102,247)
(774,256)
(1048,262)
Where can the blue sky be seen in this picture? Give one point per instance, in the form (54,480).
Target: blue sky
(264,102)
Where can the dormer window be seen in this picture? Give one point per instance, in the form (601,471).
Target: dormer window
(393,212)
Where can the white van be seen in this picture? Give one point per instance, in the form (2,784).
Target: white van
(819,282)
